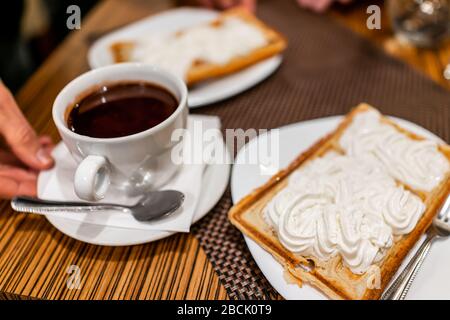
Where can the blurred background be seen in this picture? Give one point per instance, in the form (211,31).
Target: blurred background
(29,31)
(411,30)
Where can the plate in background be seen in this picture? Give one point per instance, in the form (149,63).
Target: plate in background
(170,21)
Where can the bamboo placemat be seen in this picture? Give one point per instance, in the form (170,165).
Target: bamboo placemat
(327,69)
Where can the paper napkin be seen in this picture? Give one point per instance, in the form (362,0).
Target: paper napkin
(188,180)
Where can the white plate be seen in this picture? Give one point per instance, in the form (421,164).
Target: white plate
(433,279)
(216,175)
(171,21)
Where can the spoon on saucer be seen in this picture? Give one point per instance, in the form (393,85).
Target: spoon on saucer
(151,206)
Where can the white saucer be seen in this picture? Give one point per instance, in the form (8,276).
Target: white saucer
(216,175)
(433,280)
(171,21)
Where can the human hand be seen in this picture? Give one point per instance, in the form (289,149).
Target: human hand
(27,152)
(227,4)
(319,5)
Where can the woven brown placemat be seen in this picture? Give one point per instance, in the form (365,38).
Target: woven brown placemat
(327,69)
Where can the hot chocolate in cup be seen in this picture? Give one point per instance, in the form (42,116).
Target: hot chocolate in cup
(117,122)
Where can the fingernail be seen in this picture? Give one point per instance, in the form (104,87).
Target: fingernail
(43,157)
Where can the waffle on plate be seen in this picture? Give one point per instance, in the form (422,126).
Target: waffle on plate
(233,41)
(344,214)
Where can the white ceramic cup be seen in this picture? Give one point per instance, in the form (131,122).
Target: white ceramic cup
(134,163)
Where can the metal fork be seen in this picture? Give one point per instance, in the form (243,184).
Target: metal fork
(440,228)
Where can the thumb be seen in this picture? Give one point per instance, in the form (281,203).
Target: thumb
(19,135)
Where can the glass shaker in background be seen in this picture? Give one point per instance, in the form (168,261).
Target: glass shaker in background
(424,23)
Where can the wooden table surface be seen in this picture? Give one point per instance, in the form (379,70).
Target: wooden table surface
(35,257)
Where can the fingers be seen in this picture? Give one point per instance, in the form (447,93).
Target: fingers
(19,135)
(47,144)
(45,140)
(315,5)
(322,5)
(223,4)
(7,158)
(15,182)
(249,5)
(16,173)
(11,188)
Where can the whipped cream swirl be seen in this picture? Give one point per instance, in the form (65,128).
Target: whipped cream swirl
(352,204)
(417,163)
(347,205)
(216,44)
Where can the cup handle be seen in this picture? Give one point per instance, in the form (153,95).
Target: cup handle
(92,179)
